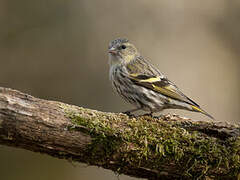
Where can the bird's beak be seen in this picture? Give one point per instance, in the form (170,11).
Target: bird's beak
(112,51)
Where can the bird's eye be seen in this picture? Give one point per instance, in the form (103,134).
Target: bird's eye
(123,47)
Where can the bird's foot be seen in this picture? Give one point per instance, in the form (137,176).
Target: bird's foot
(129,113)
(161,116)
(148,114)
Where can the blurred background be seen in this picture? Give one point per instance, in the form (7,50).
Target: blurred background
(57,50)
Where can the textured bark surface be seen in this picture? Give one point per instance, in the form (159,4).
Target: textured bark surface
(132,146)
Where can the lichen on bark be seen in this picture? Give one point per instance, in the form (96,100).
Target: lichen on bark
(166,147)
(160,144)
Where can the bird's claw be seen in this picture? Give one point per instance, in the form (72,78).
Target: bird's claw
(148,114)
(129,114)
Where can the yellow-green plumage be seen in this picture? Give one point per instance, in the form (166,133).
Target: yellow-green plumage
(141,84)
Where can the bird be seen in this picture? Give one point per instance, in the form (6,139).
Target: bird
(141,84)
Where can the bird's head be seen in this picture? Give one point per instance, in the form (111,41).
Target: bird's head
(121,51)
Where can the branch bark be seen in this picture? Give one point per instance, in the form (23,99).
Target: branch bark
(169,147)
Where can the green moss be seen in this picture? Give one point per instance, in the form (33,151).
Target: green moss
(154,143)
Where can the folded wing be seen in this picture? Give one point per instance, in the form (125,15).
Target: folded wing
(161,85)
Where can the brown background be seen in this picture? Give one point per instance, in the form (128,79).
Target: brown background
(58,50)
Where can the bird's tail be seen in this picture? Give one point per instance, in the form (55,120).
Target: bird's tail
(198,109)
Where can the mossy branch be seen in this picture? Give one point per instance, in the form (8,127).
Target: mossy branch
(169,147)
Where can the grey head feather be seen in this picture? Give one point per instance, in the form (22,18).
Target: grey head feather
(117,42)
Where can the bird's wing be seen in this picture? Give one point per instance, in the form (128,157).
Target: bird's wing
(144,74)
(140,66)
(161,85)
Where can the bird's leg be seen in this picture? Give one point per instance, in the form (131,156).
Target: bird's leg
(148,114)
(129,113)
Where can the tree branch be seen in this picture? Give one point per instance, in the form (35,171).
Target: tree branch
(169,147)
